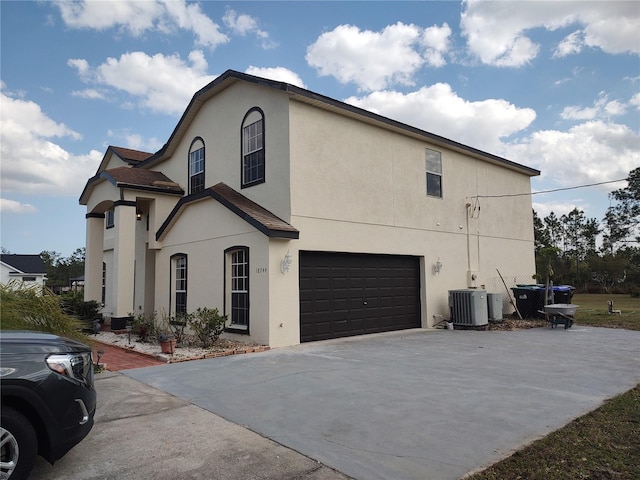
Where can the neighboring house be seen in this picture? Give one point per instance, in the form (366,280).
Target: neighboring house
(301,218)
(25,269)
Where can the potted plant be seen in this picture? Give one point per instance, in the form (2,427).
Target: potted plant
(166,338)
(167,342)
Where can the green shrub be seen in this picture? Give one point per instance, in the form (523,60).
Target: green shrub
(208,324)
(178,326)
(144,326)
(32,308)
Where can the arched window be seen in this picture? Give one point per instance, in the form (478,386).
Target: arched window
(196,165)
(253,158)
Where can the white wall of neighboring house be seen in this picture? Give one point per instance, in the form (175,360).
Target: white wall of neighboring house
(9,274)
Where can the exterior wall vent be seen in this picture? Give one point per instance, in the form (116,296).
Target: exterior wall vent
(468,307)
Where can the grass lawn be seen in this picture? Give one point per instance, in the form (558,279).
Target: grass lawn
(603,444)
(593,311)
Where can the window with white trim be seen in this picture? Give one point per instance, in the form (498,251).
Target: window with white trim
(238,281)
(434,173)
(180,283)
(253,158)
(196,166)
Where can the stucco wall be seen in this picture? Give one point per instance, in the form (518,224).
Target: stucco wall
(203,232)
(358,188)
(219,123)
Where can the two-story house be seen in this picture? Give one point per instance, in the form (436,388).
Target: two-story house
(301,218)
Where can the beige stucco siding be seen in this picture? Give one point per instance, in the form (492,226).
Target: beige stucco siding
(219,124)
(203,232)
(359,188)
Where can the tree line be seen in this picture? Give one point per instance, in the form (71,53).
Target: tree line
(567,250)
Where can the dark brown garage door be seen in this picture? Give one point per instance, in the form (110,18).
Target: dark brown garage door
(345,294)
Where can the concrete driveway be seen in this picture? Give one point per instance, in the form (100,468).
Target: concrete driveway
(415,404)
(142,433)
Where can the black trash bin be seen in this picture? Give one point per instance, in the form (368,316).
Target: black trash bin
(563,293)
(529,300)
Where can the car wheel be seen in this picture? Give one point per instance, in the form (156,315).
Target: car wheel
(18,445)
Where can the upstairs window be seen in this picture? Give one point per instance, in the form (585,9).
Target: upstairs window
(110,219)
(196,166)
(253,159)
(434,173)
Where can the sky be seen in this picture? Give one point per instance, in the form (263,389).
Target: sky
(551,85)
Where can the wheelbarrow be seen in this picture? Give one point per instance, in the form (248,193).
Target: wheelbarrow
(560,314)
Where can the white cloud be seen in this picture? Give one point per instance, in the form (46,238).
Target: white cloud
(635,101)
(11,206)
(495,31)
(602,108)
(279,74)
(571,45)
(436,42)
(132,16)
(190,17)
(134,141)
(543,209)
(162,83)
(246,24)
(90,93)
(591,152)
(438,109)
(136,17)
(354,56)
(31,161)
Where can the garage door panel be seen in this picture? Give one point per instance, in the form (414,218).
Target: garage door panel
(353,294)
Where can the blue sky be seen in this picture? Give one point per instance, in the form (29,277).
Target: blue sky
(551,85)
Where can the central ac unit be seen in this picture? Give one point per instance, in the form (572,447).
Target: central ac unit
(468,307)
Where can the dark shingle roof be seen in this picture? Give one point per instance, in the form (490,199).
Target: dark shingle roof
(130,155)
(254,214)
(136,177)
(25,263)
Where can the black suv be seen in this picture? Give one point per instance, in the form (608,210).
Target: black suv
(48,399)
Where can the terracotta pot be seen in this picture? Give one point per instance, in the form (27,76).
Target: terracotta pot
(168,346)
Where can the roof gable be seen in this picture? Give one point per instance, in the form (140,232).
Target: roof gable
(135,179)
(254,214)
(25,263)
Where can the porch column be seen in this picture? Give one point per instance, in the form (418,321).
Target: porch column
(123,261)
(93,257)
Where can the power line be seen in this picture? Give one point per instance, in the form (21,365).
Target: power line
(550,191)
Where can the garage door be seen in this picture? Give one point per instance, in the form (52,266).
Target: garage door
(345,294)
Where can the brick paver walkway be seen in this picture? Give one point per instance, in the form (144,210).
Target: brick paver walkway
(117,358)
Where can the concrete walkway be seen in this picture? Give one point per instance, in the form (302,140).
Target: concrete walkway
(415,404)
